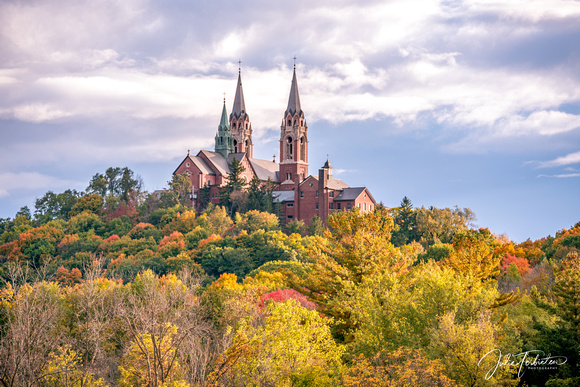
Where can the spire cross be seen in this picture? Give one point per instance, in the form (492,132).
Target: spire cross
(294,62)
(240,66)
(224,97)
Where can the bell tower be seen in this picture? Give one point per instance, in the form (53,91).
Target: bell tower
(293,139)
(240,122)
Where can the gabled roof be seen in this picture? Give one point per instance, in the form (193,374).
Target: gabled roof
(308,178)
(283,196)
(349,194)
(294,99)
(238,156)
(218,161)
(336,184)
(265,169)
(199,163)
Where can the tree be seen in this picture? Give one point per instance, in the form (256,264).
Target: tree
(230,193)
(119,182)
(163,318)
(292,347)
(91,203)
(260,195)
(55,206)
(405,223)
(436,225)
(181,186)
(29,330)
(316,227)
(474,254)
(357,245)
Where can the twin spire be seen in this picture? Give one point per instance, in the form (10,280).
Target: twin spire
(226,140)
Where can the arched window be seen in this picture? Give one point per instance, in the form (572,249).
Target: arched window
(234,125)
(289,149)
(235,146)
(302,148)
(289,122)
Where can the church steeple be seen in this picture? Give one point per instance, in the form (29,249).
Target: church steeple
(224,141)
(293,138)
(240,122)
(294,99)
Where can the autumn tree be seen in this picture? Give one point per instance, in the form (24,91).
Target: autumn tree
(29,330)
(293,346)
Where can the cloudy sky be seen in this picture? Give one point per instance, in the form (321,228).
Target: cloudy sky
(469,103)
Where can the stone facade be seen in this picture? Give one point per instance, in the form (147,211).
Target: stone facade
(301,196)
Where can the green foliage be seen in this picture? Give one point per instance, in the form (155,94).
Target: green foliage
(316,227)
(119,182)
(232,196)
(180,185)
(55,206)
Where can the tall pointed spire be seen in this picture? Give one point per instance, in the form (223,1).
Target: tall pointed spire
(294,99)
(240,122)
(239,109)
(224,141)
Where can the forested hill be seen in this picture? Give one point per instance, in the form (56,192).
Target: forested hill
(114,286)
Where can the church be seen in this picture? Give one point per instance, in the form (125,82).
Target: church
(301,195)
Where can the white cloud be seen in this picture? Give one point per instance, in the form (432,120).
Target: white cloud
(562,176)
(569,159)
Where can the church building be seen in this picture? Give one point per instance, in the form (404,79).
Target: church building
(301,195)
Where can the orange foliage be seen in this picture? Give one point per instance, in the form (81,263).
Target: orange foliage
(522,264)
(211,238)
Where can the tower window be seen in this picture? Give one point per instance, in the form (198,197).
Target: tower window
(289,148)
(289,122)
(246,125)
(234,125)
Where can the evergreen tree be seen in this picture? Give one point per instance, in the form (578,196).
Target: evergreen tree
(234,186)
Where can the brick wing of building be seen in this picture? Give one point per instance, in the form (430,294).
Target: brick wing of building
(301,195)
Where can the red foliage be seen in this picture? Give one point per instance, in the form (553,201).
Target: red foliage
(522,264)
(282,295)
